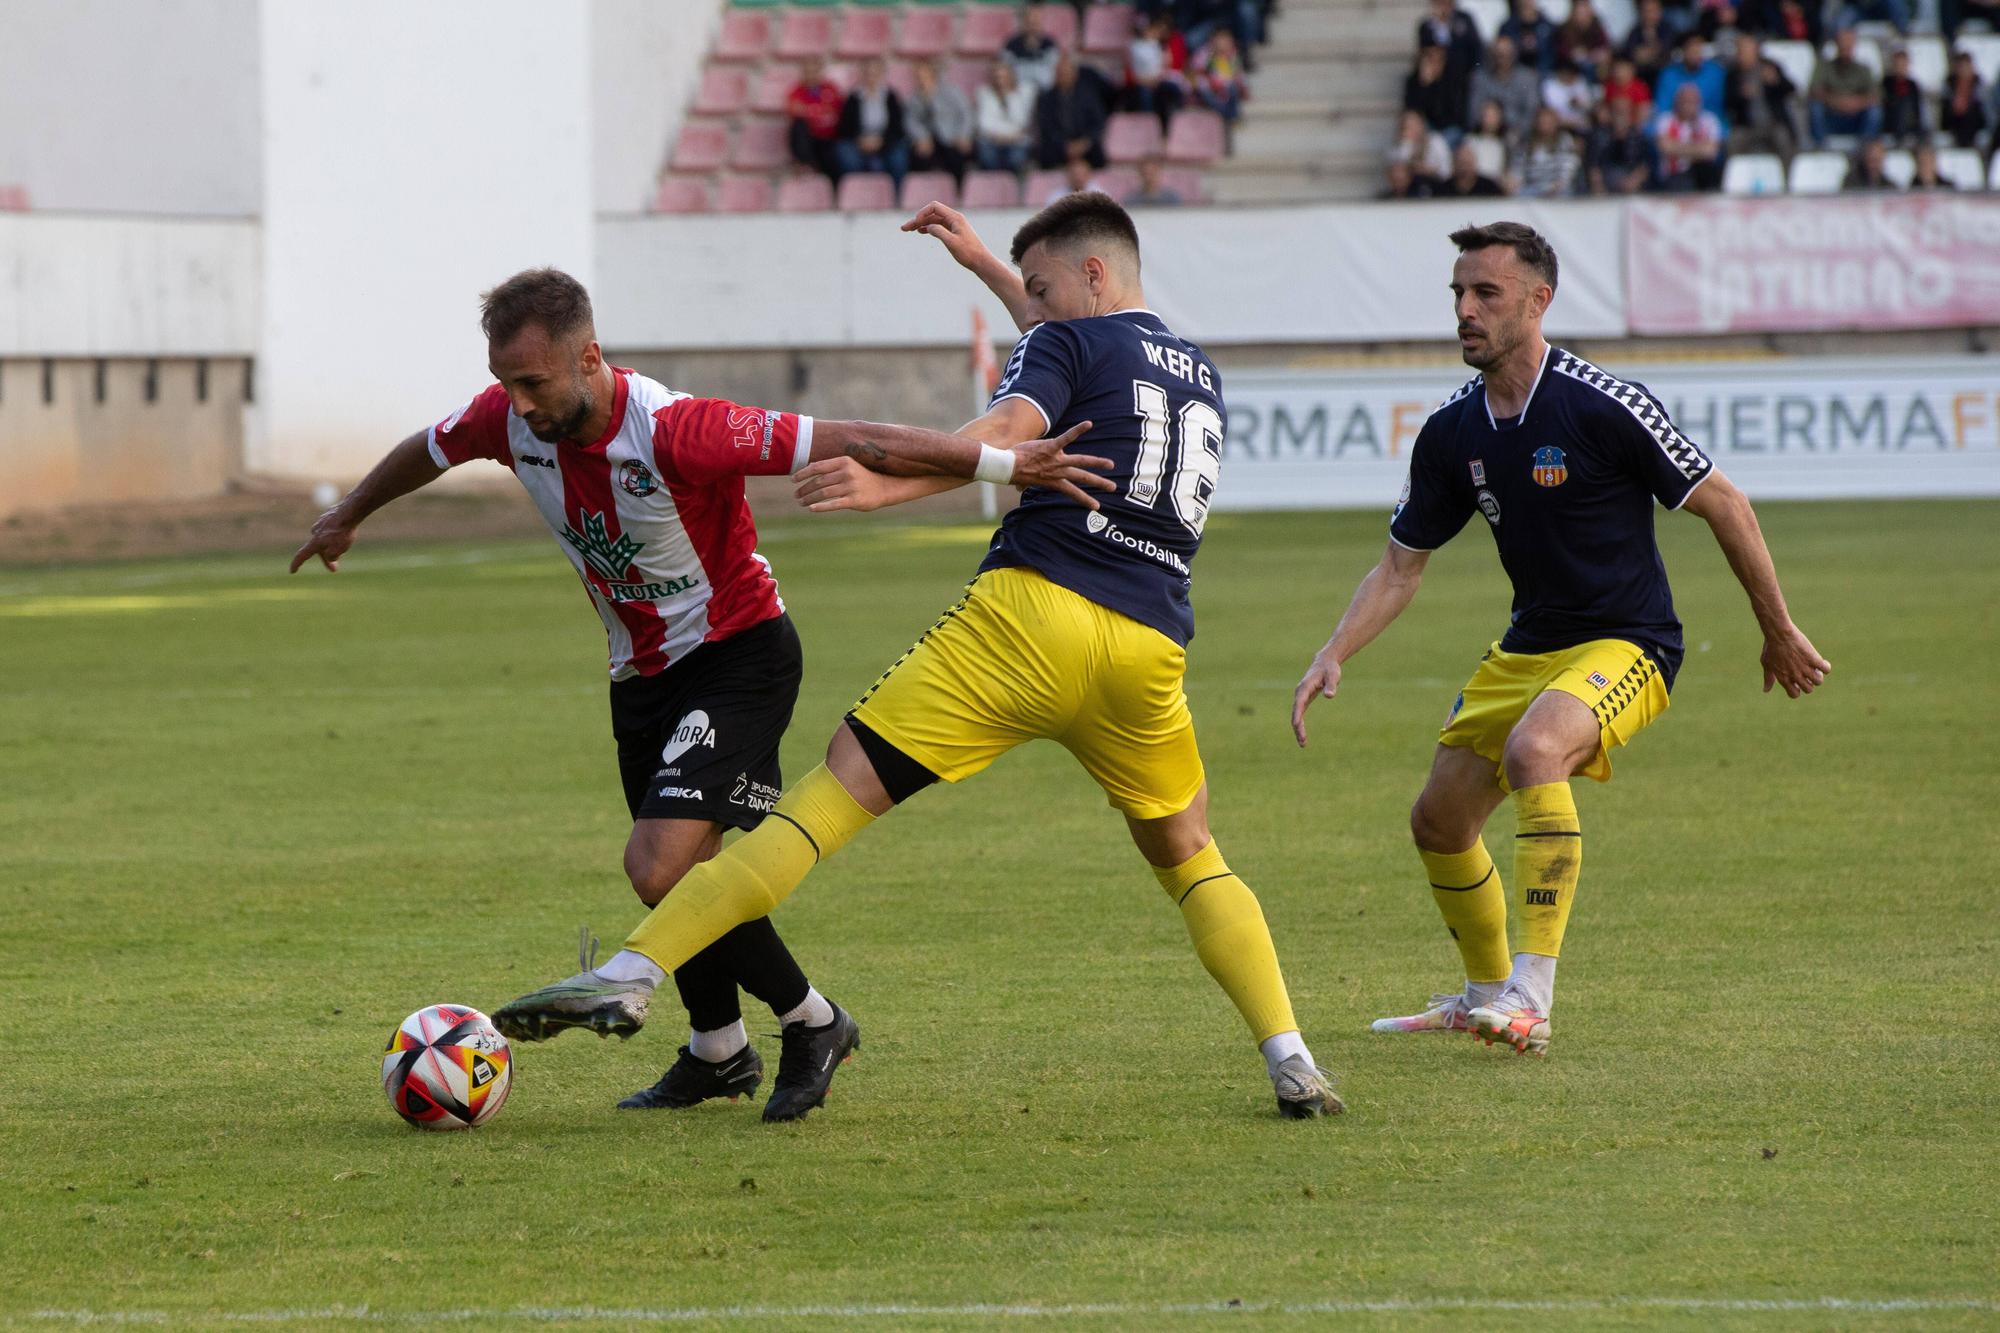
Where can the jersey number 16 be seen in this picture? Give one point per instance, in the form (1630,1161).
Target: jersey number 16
(1193,438)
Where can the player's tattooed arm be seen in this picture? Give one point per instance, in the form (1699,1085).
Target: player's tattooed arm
(1789,657)
(949,227)
(405,468)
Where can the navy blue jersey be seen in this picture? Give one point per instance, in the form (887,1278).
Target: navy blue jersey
(1155,404)
(1568,489)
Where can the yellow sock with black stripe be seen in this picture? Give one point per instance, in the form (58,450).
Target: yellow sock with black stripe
(1466,886)
(1231,939)
(811,822)
(1548,856)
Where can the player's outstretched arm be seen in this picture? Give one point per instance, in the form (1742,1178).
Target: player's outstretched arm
(949,227)
(1379,599)
(1789,658)
(402,470)
(910,451)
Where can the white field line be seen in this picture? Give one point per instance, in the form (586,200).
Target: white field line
(362,1314)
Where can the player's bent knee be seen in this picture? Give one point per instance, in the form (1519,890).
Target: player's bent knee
(1535,757)
(1435,827)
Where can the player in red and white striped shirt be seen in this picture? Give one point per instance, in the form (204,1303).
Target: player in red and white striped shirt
(643,488)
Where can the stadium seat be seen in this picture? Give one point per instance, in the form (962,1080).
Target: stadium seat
(1487,16)
(1928,61)
(724,91)
(805,194)
(903,78)
(1754,173)
(14,198)
(921,187)
(761,145)
(985,30)
(991,189)
(1900,167)
(1198,136)
(702,146)
(1984,48)
(1107,30)
(865,33)
(805,32)
(925,33)
(1617,16)
(1555,11)
(1866,53)
(1962,167)
(1059,22)
(1992,181)
(1118,181)
(681,194)
(773,85)
(966,76)
(744,36)
(866,192)
(1043,186)
(1132,135)
(1186,182)
(744,194)
(1818,173)
(1796,59)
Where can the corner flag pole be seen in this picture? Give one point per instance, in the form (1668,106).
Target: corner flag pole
(985,379)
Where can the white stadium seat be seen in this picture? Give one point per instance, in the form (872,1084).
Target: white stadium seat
(1754,173)
(1818,173)
(1487,16)
(1900,167)
(1555,11)
(1927,62)
(1962,167)
(1993,181)
(1796,59)
(1618,17)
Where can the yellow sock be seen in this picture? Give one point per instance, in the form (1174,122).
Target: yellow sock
(1231,939)
(750,878)
(1469,896)
(1548,856)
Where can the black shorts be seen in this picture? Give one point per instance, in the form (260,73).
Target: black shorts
(700,739)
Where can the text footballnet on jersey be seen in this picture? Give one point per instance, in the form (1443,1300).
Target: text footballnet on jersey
(1155,404)
(1568,489)
(651,514)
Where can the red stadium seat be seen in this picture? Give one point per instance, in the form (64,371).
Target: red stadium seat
(1187,183)
(744,36)
(866,192)
(806,32)
(1117,181)
(1107,30)
(1059,22)
(903,78)
(1132,136)
(774,84)
(761,145)
(966,76)
(925,33)
(866,32)
(1198,136)
(681,194)
(702,146)
(921,187)
(991,189)
(744,194)
(1042,187)
(985,30)
(805,194)
(724,91)
(14,199)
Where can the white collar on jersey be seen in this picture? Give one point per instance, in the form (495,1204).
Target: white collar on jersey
(1548,355)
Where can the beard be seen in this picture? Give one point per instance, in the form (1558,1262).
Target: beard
(566,426)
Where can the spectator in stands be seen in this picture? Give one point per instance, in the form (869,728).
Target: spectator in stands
(1242,19)
(1534,37)
(1618,158)
(1503,79)
(1403,183)
(1623,84)
(1757,103)
(1078,178)
(1069,119)
(1688,141)
(1003,119)
(1466,180)
(1031,51)
(1489,140)
(1650,43)
(1902,101)
(1896,13)
(939,120)
(1962,108)
(1428,92)
(1693,68)
(1153,71)
(1868,169)
(1546,167)
(1953,13)
(1844,97)
(1927,177)
(872,134)
(1716,21)
(1451,29)
(815,106)
(1422,147)
(1582,40)
(1153,191)
(1782,20)
(1217,76)
(1565,93)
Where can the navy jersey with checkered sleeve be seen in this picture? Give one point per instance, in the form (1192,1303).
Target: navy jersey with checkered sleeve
(1155,404)
(1568,488)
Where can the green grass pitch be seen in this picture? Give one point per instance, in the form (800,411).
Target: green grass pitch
(248,822)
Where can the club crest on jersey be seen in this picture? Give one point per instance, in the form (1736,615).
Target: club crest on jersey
(607,558)
(633,476)
(1478,472)
(1549,467)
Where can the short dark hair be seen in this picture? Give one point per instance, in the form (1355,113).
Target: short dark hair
(1529,246)
(1087,215)
(548,297)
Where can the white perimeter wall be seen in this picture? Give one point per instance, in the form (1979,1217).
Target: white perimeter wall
(415,155)
(645,65)
(127,286)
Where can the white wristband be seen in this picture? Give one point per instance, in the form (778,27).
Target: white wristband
(995,465)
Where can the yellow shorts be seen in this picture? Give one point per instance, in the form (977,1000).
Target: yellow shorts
(1020,658)
(1616,679)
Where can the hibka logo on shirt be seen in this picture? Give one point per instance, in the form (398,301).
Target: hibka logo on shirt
(609,559)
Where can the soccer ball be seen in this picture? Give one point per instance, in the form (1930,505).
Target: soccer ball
(447,1067)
